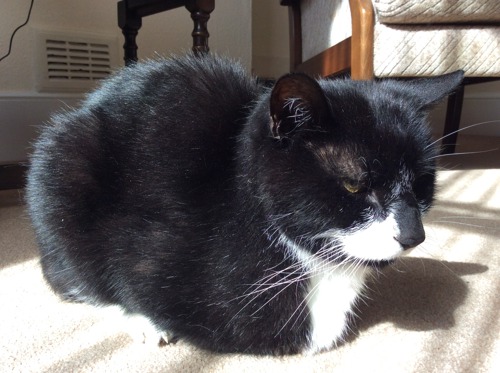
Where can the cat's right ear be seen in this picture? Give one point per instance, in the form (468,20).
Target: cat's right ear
(297,104)
(431,90)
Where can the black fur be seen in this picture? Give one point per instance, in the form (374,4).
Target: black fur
(165,191)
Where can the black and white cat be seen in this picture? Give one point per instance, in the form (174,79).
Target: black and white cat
(237,217)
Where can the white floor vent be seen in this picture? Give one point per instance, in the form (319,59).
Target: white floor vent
(73,62)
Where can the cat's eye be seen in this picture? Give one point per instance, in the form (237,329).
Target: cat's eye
(352,187)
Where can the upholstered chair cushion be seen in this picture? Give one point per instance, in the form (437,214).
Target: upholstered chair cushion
(414,37)
(437,11)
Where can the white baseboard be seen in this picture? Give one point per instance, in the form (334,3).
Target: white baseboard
(20,118)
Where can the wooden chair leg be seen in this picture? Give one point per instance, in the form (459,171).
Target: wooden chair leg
(200,14)
(452,122)
(363,28)
(130,23)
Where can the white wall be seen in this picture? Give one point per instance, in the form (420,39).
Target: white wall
(229,27)
(22,108)
(481,105)
(270,41)
(17,70)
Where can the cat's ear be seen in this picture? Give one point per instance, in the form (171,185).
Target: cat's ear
(297,104)
(432,90)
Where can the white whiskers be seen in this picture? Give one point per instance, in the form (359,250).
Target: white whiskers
(465,153)
(462,129)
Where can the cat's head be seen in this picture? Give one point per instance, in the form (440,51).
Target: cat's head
(347,168)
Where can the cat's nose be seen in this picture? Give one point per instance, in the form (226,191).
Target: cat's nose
(411,239)
(411,231)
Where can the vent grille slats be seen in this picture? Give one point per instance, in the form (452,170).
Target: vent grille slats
(72,61)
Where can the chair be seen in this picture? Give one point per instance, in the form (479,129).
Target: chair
(130,13)
(398,39)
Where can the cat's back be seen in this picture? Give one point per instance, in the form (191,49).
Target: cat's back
(189,102)
(150,133)
(194,87)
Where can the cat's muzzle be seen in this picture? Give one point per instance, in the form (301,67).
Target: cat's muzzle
(409,219)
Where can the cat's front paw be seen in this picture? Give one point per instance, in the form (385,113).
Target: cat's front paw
(141,330)
(167,338)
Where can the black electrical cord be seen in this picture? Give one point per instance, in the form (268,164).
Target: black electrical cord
(12,36)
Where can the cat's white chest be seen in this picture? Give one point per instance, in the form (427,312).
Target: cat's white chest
(331,297)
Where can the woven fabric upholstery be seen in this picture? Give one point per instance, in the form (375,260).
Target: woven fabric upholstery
(431,50)
(437,11)
(414,37)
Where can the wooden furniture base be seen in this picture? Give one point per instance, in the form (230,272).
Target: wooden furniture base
(130,13)
(13,176)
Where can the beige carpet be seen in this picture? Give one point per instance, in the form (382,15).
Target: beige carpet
(435,311)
